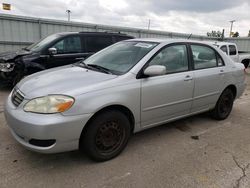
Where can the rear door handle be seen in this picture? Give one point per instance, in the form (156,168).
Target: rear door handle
(188,77)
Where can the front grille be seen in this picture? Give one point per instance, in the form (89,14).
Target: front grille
(17,97)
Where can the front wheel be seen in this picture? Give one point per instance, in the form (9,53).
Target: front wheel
(246,63)
(106,135)
(224,105)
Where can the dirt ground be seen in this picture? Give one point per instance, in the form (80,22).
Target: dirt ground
(194,152)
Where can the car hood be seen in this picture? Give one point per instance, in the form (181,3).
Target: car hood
(6,56)
(68,80)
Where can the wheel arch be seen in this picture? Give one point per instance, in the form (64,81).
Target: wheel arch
(233,88)
(219,113)
(121,108)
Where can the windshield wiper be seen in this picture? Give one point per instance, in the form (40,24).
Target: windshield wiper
(100,68)
(93,67)
(81,64)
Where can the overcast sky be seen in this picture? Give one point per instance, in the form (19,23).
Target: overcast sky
(187,16)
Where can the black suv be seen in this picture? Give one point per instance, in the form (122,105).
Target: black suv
(53,51)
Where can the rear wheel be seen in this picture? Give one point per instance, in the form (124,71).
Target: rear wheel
(224,105)
(106,135)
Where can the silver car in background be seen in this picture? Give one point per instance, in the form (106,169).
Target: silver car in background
(95,105)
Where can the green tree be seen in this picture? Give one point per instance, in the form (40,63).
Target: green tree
(236,34)
(217,34)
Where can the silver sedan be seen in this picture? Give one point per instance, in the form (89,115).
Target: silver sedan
(95,105)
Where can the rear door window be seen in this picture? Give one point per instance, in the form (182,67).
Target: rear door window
(232,50)
(203,57)
(97,43)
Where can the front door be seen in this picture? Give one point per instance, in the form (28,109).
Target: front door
(69,50)
(168,96)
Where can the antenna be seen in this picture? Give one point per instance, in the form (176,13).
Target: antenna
(190,36)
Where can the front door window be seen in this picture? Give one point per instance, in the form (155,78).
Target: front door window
(68,45)
(174,58)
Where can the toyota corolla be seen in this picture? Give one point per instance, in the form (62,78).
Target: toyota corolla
(95,105)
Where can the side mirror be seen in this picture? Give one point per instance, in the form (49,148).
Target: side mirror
(52,51)
(155,70)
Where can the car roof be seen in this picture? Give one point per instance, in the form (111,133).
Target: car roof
(217,43)
(95,33)
(167,40)
(66,33)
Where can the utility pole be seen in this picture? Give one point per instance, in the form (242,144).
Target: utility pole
(223,34)
(149,24)
(68,12)
(231,28)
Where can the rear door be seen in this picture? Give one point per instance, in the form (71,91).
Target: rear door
(167,96)
(209,77)
(96,43)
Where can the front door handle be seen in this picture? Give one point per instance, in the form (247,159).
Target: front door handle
(221,72)
(188,77)
(79,58)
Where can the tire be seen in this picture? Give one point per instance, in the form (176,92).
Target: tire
(106,135)
(224,105)
(246,63)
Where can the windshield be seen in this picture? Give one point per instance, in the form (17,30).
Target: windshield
(121,57)
(40,44)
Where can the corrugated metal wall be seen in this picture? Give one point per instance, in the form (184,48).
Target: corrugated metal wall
(243,43)
(18,31)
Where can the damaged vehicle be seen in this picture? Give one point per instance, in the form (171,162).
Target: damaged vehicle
(53,51)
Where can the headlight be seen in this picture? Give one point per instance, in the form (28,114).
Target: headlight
(7,67)
(49,104)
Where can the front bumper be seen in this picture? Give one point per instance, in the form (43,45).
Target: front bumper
(66,130)
(4,81)
(7,78)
